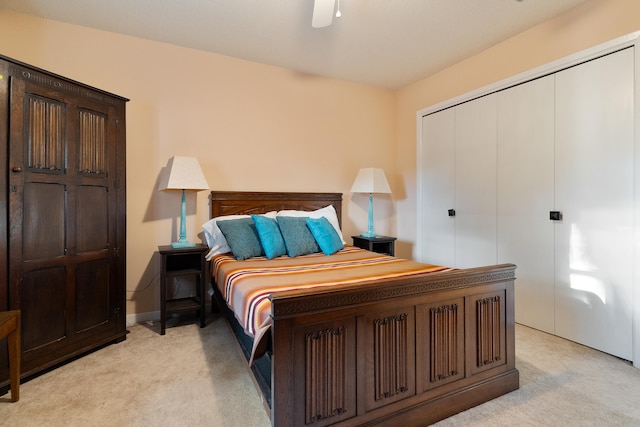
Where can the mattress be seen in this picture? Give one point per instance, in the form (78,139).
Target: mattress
(246,285)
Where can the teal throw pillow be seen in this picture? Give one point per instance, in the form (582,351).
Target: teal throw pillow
(242,237)
(270,236)
(325,235)
(297,236)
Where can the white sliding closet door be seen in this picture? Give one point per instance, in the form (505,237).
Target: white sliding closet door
(525,197)
(594,191)
(438,187)
(475,180)
(459,173)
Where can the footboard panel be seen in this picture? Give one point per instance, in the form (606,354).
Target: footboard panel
(410,351)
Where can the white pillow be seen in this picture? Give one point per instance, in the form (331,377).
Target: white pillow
(328,212)
(214,237)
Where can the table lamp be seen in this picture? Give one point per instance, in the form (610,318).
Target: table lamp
(184,173)
(370,180)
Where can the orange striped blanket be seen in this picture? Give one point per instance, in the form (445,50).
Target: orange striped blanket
(246,285)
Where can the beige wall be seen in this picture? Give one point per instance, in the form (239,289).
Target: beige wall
(595,22)
(252,127)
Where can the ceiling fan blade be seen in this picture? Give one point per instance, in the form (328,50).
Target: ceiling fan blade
(322,13)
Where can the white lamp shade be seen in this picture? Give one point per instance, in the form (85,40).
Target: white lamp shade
(370,180)
(184,173)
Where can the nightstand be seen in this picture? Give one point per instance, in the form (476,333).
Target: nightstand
(178,263)
(380,244)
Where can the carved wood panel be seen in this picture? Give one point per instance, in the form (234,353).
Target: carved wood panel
(487,327)
(488,340)
(325,377)
(444,334)
(440,351)
(92,147)
(45,134)
(389,356)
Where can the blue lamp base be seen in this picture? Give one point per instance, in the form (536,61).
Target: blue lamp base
(370,232)
(369,235)
(182,244)
(182,240)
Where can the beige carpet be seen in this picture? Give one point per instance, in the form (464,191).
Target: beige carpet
(561,384)
(188,377)
(195,377)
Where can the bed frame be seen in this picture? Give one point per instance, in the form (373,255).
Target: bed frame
(408,351)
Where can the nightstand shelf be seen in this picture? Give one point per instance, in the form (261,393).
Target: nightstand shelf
(182,304)
(379,244)
(182,263)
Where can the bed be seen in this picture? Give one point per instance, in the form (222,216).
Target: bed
(387,349)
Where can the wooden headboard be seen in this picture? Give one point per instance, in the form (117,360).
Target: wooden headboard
(255,202)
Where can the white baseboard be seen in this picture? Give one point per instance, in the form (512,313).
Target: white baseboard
(152,316)
(133,319)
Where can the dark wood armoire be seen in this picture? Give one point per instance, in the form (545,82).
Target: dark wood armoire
(62,215)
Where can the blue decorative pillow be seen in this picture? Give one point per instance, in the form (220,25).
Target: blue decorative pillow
(297,236)
(325,235)
(242,237)
(270,236)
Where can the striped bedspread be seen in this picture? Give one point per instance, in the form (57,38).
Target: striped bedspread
(246,285)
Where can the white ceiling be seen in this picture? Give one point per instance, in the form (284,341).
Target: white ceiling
(386,43)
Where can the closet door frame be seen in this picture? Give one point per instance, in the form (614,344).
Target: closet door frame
(632,40)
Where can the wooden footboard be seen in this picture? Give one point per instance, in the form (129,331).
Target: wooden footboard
(404,352)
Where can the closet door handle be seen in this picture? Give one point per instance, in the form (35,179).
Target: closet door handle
(452,212)
(17,169)
(555,216)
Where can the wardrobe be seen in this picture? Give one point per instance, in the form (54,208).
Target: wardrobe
(541,171)
(62,221)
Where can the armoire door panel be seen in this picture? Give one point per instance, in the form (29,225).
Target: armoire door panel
(43,221)
(594,190)
(92,218)
(44,307)
(438,185)
(93,142)
(92,294)
(475,182)
(525,195)
(45,134)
